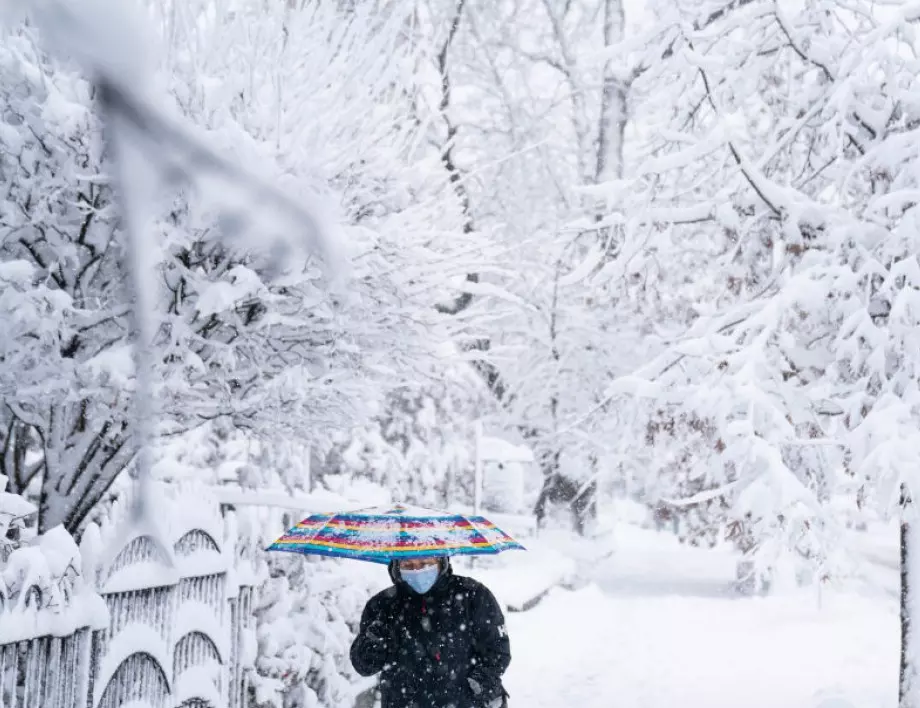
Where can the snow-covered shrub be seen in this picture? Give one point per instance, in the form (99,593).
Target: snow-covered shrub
(15,513)
(42,587)
(306,611)
(681,487)
(307,616)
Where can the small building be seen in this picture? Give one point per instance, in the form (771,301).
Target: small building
(504,474)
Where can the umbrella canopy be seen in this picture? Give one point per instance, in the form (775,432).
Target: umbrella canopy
(385,533)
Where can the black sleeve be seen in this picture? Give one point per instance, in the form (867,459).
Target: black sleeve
(491,647)
(370,651)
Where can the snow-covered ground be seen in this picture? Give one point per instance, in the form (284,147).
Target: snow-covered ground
(659,627)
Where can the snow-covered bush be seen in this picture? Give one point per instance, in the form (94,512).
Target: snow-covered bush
(305,611)
(307,616)
(42,587)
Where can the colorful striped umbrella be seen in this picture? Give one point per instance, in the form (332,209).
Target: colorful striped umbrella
(381,534)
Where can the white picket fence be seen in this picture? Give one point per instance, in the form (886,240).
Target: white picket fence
(167,632)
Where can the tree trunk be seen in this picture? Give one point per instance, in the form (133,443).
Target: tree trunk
(464,299)
(905,619)
(909,686)
(560,490)
(612,127)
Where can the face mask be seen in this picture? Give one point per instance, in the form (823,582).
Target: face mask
(421,580)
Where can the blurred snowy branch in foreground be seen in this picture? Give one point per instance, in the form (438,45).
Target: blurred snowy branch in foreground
(151,150)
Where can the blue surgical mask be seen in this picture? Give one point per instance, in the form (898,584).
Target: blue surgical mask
(421,580)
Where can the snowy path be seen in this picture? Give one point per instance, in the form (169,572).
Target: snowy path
(659,629)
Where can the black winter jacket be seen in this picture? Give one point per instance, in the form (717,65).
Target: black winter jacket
(427,647)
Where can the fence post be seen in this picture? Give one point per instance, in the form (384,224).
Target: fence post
(477,477)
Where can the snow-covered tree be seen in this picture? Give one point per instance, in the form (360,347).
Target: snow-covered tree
(242,335)
(420,444)
(763,208)
(528,114)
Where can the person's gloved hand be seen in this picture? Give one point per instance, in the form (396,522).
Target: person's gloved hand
(376,641)
(486,701)
(377,632)
(371,651)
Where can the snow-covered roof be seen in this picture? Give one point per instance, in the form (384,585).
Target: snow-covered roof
(492,449)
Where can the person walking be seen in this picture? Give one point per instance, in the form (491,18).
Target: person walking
(438,640)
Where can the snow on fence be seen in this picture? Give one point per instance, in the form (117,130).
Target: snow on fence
(80,629)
